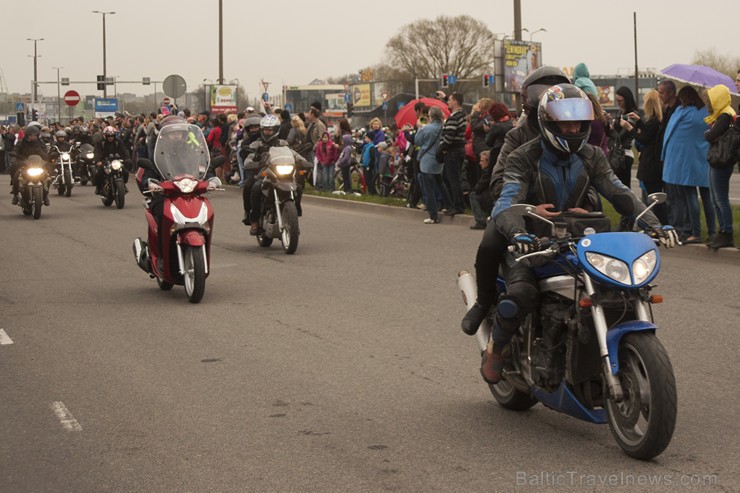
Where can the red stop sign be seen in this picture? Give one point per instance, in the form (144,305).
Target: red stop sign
(71,98)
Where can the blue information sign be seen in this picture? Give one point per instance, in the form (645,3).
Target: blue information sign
(106,105)
(451,79)
(20,107)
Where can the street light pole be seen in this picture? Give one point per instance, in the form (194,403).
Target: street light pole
(35,68)
(220,41)
(105,73)
(59,96)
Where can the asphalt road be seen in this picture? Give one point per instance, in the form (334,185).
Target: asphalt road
(339,369)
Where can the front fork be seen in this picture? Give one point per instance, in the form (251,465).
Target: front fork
(597,311)
(277,207)
(181,258)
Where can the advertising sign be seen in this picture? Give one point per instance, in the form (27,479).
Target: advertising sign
(223,99)
(520,58)
(361,95)
(606,95)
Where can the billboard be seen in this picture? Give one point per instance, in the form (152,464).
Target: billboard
(105,107)
(520,58)
(361,95)
(606,96)
(223,99)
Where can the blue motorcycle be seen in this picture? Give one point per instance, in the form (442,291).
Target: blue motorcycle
(590,350)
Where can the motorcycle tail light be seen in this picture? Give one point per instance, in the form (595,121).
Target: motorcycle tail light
(585,303)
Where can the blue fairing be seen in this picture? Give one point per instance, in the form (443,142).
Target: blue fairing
(626,247)
(615,334)
(564,401)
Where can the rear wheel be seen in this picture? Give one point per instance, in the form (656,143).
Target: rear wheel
(643,422)
(195,273)
(38,202)
(120,194)
(68,183)
(290,228)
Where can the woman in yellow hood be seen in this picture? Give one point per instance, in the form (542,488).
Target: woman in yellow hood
(721,117)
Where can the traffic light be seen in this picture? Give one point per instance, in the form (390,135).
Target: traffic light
(486,80)
(350,107)
(445,80)
(34,115)
(101,82)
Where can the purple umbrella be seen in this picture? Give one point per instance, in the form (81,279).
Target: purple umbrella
(700,75)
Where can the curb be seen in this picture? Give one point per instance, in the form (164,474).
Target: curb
(467,220)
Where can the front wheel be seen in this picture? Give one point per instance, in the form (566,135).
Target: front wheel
(120,194)
(643,422)
(68,183)
(195,272)
(290,231)
(38,202)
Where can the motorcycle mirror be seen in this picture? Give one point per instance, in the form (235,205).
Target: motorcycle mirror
(658,197)
(527,210)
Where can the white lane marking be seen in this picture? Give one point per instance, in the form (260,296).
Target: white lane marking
(4,338)
(65,417)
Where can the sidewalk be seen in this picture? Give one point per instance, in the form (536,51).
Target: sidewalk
(466,220)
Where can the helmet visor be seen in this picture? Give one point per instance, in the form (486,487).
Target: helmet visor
(569,110)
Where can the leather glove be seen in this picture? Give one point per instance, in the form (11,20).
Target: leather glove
(667,235)
(525,243)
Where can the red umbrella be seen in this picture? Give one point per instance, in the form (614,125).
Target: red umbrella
(406,114)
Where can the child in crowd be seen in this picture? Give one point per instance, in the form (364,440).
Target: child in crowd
(384,168)
(326,154)
(344,162)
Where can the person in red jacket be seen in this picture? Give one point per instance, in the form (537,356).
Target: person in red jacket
(326,154)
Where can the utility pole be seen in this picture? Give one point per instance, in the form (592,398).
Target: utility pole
(220,42)
(35,68)
(105,72)
(59,95)
(637,72)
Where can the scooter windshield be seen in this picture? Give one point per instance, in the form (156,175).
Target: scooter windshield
(181,149)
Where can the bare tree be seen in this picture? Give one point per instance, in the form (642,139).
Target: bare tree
(458,45)
(721,63)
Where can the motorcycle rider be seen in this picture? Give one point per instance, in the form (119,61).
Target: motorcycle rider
(553,173)
(111,145)
(258,151)
(252,134)
(28,146)
(493,245)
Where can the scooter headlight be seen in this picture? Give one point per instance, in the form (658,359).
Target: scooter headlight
(612,268)
(186,185)
(89,155)
(65,156)
(284,169)
(643,267)
(116,165)
(34,172)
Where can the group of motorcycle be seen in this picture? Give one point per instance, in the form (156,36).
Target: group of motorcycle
(71,167)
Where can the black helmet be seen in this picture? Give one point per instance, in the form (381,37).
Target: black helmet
(565,103)
(537,81)
(269,122)
(32,130)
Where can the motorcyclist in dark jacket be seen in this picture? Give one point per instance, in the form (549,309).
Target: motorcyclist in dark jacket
(251,135)
(553,173)
(258,152)
(29,145)
(111,145)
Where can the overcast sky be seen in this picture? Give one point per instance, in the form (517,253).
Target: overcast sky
(292,42)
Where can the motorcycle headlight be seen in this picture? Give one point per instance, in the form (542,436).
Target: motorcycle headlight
(644,266)
(65,155)
(90,155)
(186,185)
(34,172)
(284,169)
(116,165)
(612,268)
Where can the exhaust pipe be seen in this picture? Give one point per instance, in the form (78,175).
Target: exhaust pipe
(469,291)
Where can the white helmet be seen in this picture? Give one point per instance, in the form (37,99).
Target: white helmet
(269,127)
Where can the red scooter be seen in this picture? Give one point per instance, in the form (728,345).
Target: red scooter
(182,254)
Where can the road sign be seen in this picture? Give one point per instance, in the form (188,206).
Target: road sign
(289,107)
(452,79)
(20,107)
(174,86)
(265,97)
(166,101)
(72,98)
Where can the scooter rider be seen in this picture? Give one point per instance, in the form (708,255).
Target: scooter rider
(29,145)
(552,173)
(111,145)
(252,134)
(258,152)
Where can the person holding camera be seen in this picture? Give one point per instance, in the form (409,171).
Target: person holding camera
(623,132)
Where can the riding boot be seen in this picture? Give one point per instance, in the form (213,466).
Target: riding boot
(15,196)
(474,317)
(492,358)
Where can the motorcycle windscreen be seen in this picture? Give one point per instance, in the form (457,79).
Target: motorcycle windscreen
(181,149)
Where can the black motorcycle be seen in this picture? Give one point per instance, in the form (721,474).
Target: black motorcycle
(114,187)
(279,217)
(85,162)
(33,186)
